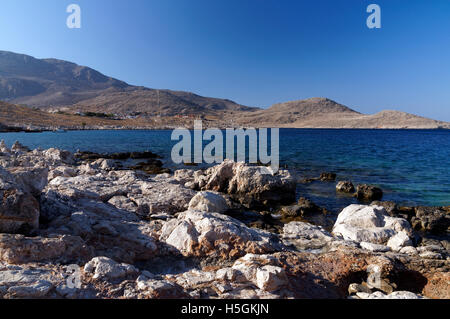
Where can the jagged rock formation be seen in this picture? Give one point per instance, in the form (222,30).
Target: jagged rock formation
(123,232)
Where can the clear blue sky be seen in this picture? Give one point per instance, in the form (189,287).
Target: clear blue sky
(256,52)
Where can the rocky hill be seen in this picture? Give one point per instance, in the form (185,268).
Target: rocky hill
(56,84)
(291,112)
(325,113)
(150,102)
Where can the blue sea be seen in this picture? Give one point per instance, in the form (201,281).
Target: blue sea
(411,166)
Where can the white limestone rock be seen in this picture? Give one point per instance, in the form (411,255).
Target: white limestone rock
(252,185)
(409,250)
(400,240)
(63,171)
(305,236)
(196,233)
(374,247)
(37,290)
(58,155)
(394,295)
(28,281)
(271,278)
(370,224)
(210,202)
(106,268)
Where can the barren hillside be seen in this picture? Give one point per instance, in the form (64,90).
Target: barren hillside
(56,84)
(325,113)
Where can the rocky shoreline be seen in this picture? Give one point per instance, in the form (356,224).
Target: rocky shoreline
(139,231)
(151,126)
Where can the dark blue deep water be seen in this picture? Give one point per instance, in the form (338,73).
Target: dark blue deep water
(411,166)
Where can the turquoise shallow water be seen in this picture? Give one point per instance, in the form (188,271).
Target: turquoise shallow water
(411,166)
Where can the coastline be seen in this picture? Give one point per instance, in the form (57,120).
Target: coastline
(382,158)
(34,120)
(165,128)
(224,232)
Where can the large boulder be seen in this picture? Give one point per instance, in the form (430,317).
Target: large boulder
(19,209)
(58,155)
(113,233)
(210,202)
(163,197)
(30,180)
(149,197)
(102,211)
(370,224)
(204,234)
(253,186)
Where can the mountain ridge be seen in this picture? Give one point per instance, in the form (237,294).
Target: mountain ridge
(55,85)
